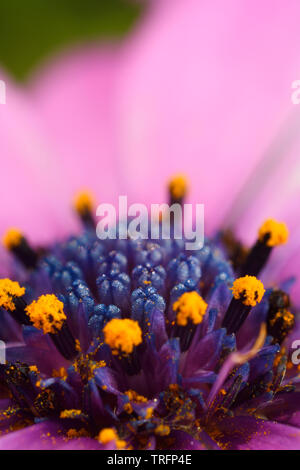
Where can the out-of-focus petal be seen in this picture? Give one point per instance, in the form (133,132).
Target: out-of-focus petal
(249,433)
(29,179)
(44,436)
(73,97)
(183,440)
(204,88)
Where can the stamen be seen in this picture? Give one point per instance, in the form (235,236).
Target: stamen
(83,205)
(270,234)
(12,238)
(189,306)
(273,233)
(123,336)
(280,321)
(190,309)
(47,314)
(177,189)
(237,358)
(15,242)
(107,435)
(11,299)
(237,252)
(247,292)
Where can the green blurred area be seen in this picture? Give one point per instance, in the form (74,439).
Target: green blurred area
(33,29)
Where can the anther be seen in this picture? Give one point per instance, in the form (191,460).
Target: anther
(107,435)
(15,242)
(271,234)
(177,189)
(247,292)
(190,309)
(47,314)
(83,205)
(280,321)
(12,300)
(123,336)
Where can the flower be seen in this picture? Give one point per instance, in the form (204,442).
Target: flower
(205,375)
(142,344)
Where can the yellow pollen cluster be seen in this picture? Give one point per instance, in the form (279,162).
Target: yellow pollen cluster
(60,373)
(277,231)
(83,202)
(149,412)
(107,435)
(12,238)
(162,430)
(74,433)
(122,335)
(133,396)
(8,291)
(178,187)
(70,413)
(190,306)
(248,289)
(47,313)
(287,317)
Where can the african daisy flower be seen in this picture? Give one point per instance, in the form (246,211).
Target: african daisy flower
(142,344)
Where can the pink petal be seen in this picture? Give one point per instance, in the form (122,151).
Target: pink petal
(74,100)
(44,436)
(28,177)
(249,433)
(203,89)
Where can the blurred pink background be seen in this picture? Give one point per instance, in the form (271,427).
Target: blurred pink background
(196,86)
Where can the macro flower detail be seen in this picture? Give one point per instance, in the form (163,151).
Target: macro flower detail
(150,344)
(46,313)
(10,291)
(122,335)
(190,306)
(273,233)
(140,344)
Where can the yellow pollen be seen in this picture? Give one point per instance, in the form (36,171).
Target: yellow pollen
(8,291)
(287,317)
(277,231)
(12,238)
(60,373)
(107,435)
(83,202)
(190,306)
(178,186)
(47,313)
(122,335)
(162,430)
(128,408)
(74,433)
(70,413)
(248,289)
(134,396)
(149,412)
(120,444)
